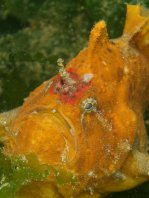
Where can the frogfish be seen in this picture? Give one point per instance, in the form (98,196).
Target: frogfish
(88,119)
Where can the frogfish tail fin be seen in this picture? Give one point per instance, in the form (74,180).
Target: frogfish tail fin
(137,27)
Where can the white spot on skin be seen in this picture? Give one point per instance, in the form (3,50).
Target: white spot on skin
(108,149)
(15,133)
(73,177)
(53,110)
(34,112)
(116,159)
(82,119)
(126,70)
(3,122)
(87,78)
(91,190)
(119,176)
(124,145)
(92,174)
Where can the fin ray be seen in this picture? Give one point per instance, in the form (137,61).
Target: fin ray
(137,27)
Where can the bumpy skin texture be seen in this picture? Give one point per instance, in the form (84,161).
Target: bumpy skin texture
(105,147)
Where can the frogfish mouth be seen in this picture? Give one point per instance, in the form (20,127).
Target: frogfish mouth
(88,119)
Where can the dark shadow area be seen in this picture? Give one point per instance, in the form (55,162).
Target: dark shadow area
(11,25)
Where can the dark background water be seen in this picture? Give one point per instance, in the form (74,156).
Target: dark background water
(35,33)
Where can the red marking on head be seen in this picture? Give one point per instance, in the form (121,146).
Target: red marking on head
(68,94)
(72,99)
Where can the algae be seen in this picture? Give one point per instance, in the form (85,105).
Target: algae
(19,174)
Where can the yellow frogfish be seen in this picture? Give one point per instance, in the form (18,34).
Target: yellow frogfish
(88,119)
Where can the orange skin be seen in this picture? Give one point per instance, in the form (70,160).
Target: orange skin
(101,146)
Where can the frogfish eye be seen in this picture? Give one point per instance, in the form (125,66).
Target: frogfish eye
(89,105)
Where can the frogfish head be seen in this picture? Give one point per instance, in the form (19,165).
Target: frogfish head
(77,117)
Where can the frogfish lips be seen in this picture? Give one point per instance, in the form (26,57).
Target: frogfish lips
(48,133)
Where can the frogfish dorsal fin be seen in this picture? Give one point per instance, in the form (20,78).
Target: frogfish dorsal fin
(137,27)
(98,37)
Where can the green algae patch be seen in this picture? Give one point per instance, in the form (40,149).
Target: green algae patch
(60,182)
(64,177)
(18,172)
(24,177)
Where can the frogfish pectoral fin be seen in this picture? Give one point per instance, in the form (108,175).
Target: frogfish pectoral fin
(136,168)
(142,163)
